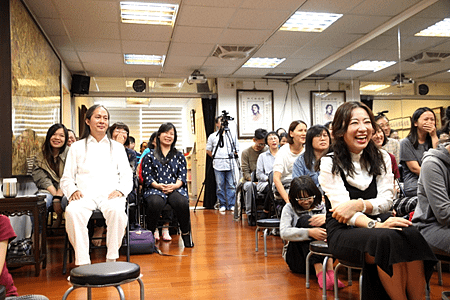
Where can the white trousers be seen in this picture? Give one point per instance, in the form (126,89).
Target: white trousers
(78,213)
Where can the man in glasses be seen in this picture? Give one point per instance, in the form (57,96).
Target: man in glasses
(249,159)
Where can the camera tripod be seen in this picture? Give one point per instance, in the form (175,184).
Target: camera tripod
(225,139)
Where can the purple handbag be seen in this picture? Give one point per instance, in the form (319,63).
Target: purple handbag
(142,241)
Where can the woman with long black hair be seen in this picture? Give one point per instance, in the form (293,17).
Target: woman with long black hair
(49,167)
(357,179)
(164,172)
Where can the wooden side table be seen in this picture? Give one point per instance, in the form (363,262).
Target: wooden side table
(33,206)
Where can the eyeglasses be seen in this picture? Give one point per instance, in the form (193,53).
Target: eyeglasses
(322,135)
(120,131)
(300,200)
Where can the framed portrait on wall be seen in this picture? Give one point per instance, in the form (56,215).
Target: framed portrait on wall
(324,105)
(255,110)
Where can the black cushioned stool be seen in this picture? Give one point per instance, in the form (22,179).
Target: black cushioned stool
(104,275)
(266,225)
(319,248)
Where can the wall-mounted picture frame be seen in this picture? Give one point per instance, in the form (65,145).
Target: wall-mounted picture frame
(396,123)
(255,110)
(439,112)
(324,105)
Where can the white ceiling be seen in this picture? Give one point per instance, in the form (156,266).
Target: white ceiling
(91,39)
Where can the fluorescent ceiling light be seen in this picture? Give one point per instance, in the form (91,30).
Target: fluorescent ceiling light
(374,87)
(263,62)
(368,65)
(440,29)
(148,13)
(137,59)
(310,21)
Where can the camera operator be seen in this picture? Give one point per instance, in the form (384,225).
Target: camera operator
(222,146)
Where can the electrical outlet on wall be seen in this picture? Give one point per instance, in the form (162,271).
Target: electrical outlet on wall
(230,85)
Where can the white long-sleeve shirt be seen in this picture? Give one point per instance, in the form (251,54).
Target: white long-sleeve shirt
(96,169)
(334,188)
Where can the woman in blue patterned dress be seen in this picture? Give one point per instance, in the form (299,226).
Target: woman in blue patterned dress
(164,172)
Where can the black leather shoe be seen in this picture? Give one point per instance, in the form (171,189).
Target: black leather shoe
(251,220)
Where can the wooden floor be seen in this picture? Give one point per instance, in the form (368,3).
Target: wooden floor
(222,265)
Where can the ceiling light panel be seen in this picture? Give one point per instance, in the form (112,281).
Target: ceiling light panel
(371,65)
(148,13)
(310,21)
(263,62)
(137,59)
(374,87)
(440,29)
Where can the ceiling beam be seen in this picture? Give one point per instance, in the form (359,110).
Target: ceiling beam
(368,37)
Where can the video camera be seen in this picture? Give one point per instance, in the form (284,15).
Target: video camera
(225,118)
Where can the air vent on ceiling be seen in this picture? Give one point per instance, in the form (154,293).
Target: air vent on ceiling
(428,57)
(233,52)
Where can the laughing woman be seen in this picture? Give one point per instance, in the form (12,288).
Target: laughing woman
(49,167)
(164,173)
(358,183)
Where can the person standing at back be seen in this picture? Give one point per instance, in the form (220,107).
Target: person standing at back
(248,163)
(97,175)
(224,166)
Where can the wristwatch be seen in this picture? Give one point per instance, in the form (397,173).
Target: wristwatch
(372,224)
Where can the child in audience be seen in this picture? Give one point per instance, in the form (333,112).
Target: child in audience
(302,221)
(6,235)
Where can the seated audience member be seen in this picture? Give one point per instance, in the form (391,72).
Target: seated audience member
(49,167)
(164,173)
(394,134)
(97,175)
(248,166)
(317,142)
(432,214)
(131,142)
(150,145)
(141,149)
(223,153)
(329,127)
(6,235)
(358,184)
(420,139)
(283,139)
(380,139)
(303,221)
(119,132)
(264,166)
(280,131)
(392,145)
(72,137)
(286,156)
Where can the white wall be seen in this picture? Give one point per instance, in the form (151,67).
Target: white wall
(289,104)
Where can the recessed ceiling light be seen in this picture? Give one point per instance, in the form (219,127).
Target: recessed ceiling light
(440,29)
(371,65)
(374,87)
(148,13)
(263,62)
(137,59)
(310,21)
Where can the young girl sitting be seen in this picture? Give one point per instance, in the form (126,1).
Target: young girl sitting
(302,221)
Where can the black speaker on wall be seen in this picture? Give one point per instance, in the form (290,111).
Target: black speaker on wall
(80,84)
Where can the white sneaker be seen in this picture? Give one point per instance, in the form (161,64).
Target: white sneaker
(222,209)
(232,208)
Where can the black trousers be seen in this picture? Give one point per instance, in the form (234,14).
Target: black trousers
(180,204)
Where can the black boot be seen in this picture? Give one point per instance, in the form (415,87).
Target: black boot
(251,220)
(187,239)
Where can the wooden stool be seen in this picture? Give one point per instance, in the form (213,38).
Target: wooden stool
(104,275)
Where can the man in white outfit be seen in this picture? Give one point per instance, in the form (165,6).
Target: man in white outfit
(97,175)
